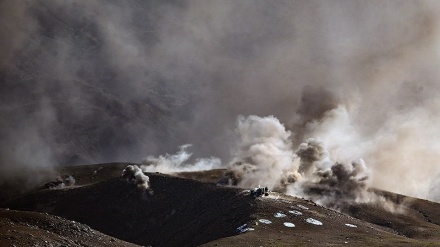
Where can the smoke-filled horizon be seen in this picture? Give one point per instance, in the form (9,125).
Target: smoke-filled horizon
(101,81)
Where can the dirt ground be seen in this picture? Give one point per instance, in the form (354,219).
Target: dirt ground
(192,210)
(20,228)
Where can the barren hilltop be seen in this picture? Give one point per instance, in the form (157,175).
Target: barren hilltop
(190,209)
(219,123)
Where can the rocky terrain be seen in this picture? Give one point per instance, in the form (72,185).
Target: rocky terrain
(19,228)
(181,211)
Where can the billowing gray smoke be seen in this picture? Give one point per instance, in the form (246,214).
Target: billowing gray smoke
(265,156)
(171,163)
(100,81)
(313,156)
(263,153)
(327,182)
(61,182)
(134,175)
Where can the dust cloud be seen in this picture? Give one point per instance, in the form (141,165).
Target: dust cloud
(97,81)
(134,175)
(265,156)
(178,162)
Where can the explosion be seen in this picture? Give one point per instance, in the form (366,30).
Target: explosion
(264,153)
(327,182)
(265,157)
(60,182)
(99,81)
(134,175)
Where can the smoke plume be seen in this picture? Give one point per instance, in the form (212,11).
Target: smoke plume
(61,182)
(330,183)
(265,156)
(103,81)
(172,163)
(264,153)
(133,174)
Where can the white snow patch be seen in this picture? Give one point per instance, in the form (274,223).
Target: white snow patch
(302,207)
(279,215)
(244,228)
(264,221)
(288,224)
(295,212)
(314,222)
(350,225)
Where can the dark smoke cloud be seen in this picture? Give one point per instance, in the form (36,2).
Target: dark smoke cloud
(331,183)
(313,155)
(61,182)
(315,103)
(98,81)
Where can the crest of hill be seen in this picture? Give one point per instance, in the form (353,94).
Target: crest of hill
(185,212)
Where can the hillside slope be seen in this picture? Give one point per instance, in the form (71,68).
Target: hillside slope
(19,228)
(185,212)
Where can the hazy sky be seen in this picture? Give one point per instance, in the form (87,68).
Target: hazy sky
(360,75)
